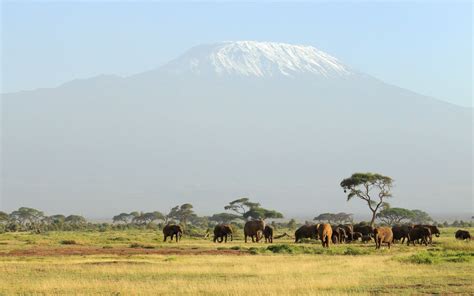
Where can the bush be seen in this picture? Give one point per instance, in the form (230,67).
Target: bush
(68,242)
(282,249)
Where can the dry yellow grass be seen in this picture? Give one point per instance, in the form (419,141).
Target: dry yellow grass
(230,275)
(266,273)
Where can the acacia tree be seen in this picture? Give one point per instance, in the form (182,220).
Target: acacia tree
(147,218)
(241,206)
(393,216)
(225,217)
(371,188)
(338,218)
(181,213)
(420,217)
(27,217)
(261,213)
(324,217)
(247,209)
(123,217)
(4,217)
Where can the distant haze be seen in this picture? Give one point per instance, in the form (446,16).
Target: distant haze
(281,124)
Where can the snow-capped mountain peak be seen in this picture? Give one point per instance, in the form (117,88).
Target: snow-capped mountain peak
(257,59)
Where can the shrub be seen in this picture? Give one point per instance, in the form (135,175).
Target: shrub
(68,242)
(282,249)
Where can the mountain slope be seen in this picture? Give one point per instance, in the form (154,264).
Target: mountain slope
(282,131)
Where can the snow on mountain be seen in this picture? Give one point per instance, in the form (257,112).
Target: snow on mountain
(257,59)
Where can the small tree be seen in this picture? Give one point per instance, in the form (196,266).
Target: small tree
(292,224)
(363,186)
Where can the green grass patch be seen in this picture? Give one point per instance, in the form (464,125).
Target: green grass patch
(434,257)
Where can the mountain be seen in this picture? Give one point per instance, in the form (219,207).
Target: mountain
(280,123)
(257,59)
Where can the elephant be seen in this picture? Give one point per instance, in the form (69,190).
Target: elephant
(306,231)
(366,238)
(338,235)
(419,233)
(434,230)
(221,232)
(254,228)
(383,235)
(462,234)
(400,233)
(172,230)
(357,235)
(364,229)
(348,229)
(325,234)
(268,233)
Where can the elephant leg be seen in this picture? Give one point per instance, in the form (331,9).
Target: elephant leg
(165,238)
(245,238)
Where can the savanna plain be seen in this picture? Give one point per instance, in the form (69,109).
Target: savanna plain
(138,262)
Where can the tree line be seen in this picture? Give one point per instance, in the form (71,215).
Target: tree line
(373,189)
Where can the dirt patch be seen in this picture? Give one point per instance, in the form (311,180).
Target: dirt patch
(82,251)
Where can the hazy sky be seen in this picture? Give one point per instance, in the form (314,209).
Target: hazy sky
(425,47)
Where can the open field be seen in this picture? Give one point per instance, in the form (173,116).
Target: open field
(138,263)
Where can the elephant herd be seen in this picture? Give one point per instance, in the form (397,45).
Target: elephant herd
(327,233)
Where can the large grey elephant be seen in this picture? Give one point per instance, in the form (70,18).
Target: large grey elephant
(306,231)
(254,228)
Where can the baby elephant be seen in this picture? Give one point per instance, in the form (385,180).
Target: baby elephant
(268,234)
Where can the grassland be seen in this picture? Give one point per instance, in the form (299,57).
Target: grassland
(139,263)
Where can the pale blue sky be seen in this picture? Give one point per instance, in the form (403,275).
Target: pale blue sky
(425,47)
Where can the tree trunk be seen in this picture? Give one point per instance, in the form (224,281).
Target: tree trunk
(372,222)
